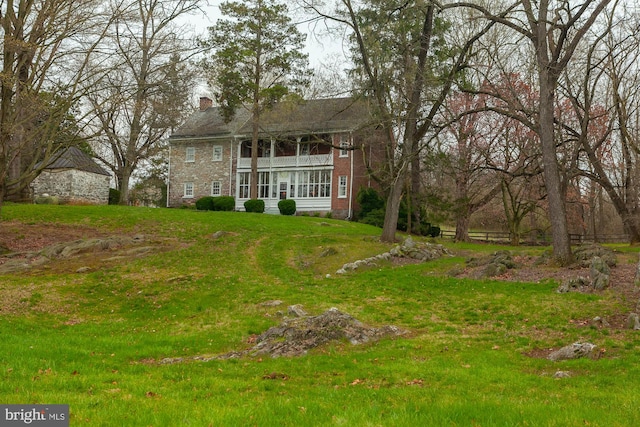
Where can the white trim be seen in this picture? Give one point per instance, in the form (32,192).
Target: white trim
(341,186)
(219,193)
(193,190)
(218,158)
(190,155)
(344,148)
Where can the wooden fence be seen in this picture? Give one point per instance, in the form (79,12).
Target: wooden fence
(504,237)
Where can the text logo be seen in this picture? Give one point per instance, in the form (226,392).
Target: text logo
(34,415)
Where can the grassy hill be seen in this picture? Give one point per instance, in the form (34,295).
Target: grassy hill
(91,330)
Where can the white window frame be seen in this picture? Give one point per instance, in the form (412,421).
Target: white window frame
(313,184)
(216,185)
(189,190)
(190,155)
(263,185)
(344,148)
(342,187)
(244,185)
(217,153)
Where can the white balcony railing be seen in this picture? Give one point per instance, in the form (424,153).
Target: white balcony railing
(288,161)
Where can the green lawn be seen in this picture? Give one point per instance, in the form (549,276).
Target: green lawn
(94,340)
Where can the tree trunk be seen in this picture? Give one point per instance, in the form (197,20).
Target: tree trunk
(557,210)
(392,210)
(462,228)
(2,193)
(123,186)
(631,223)
(255,126)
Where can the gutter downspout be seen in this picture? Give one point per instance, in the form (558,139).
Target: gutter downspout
(351,179)
(169,178)
(231,144)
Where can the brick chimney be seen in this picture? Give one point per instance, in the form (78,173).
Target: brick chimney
(205,103)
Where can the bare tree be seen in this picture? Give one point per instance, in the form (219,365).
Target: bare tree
(45,50)
(405,67)
(603,92)
(144,87)
(554,29)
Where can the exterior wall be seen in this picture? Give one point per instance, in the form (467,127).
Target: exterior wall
(371,151)
(202,172)
(71,185)
(340,206)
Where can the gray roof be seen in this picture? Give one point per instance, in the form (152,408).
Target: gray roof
(74,158)
(286,118)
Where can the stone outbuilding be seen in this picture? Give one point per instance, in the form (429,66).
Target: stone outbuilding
(73,177)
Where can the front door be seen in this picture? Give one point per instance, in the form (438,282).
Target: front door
(283,189)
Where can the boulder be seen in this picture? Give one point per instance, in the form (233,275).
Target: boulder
(600,273)
(294,337)
(633,321)
(584,255)
(574,351)
(296,311)
(573,284)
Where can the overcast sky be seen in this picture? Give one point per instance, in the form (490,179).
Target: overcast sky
(320,50)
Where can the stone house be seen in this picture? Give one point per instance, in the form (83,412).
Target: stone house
(73,177)
(316,152)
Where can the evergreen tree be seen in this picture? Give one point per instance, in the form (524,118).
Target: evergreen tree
(256,60)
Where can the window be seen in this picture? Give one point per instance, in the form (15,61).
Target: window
(304,149)
(314,184)
(264,148)
(243,185)
(217,153)
(344,149)
(342,186)
(263,185)
(190,155)
(188,190)
(216,188)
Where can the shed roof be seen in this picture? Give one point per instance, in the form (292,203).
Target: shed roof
(285,118)
(74,158)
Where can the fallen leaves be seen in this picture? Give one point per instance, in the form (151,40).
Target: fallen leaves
(275,376)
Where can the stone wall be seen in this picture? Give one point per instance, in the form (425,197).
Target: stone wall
(73,186)
(201,172)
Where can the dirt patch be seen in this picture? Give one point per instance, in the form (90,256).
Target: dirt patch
(18,237)
(33,248)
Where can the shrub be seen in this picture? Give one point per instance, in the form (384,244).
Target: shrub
(114,196)
(374,217)
(369,201)
(205,203)
(434,231)
(254,205)
(47,200)
(224,203)
(287,207)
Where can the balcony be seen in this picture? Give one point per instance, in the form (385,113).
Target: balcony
(288,161)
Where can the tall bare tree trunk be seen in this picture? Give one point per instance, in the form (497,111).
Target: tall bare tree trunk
(551,173)
(255,126)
